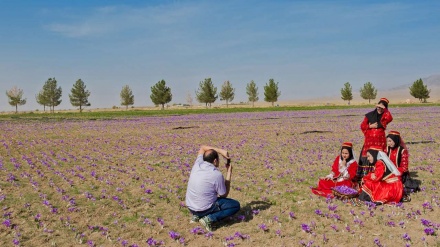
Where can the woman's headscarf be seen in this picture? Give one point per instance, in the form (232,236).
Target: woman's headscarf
(374,116)
(397,139)
(378,154)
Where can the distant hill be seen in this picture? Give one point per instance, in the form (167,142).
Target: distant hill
(401,93)
(396,95)
(430,81)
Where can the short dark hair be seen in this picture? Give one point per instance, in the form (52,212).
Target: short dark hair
(210,155)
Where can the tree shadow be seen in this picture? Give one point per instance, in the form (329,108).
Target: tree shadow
(246,213)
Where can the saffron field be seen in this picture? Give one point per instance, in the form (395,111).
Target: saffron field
(122,182)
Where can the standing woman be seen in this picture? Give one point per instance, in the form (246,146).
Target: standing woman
(343,171)
(383,184)
(373,127)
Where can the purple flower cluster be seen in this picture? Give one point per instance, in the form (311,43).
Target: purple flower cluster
(429,231)
(345,190)
(174,235)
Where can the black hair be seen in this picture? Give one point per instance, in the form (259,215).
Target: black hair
(210,155)
(396,140)
(373,153)
(384,103)
(350,151)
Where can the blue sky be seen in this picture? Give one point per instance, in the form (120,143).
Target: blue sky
(310,47)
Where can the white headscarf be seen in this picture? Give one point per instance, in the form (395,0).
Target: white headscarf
(390,165)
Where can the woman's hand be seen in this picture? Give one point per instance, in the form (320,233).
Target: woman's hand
(373,126)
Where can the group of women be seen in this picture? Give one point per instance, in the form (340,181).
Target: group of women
(382,165)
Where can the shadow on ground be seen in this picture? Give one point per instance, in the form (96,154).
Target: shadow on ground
(245,214)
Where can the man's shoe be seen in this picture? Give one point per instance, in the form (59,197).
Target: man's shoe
(194,219)
(206,222)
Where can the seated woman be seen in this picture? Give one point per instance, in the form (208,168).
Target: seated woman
(398,153)
(383,184)
(343,171)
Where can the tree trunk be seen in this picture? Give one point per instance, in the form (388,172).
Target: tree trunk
(369,101)
(272,103)
(16,108)
(126,107)
(226,103)
(252,103)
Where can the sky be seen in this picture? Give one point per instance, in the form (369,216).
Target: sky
(311,48)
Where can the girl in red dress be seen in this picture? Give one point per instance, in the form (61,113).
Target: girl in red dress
(383,184)
(343,171)
(373,126)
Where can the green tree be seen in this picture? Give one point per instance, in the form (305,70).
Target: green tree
(227,93)
(271,92)
(161,94)
(15,97)
(51,94)
(127,97)
(346,92)
(206,93)
(42,100)
(79,96)
(419,91)
(368,92)
(252,92)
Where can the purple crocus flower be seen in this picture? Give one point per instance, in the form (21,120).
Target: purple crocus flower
(306,228)
(429,231)
(174,235)
(263,227)
(7,223)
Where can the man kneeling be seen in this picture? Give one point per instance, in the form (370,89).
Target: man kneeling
(207,189)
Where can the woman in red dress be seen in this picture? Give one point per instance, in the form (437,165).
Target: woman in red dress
(383,184)
(373,126)
(343,171)
(398,153)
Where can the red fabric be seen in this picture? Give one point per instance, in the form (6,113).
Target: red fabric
(379,189)
(403,166)
(375,137)
(324,187)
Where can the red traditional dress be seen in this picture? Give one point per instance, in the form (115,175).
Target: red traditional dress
(375,137)
(399,156)
(340,175)
(382,185)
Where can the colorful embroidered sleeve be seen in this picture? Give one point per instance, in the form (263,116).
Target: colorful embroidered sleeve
(386,118)
(335,167)
(352,169)
(365,125)
(403,166)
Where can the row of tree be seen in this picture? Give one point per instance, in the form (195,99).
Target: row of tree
(368,92)
(50,95)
